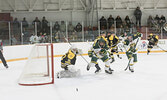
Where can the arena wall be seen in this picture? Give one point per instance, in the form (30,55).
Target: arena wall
(79,16)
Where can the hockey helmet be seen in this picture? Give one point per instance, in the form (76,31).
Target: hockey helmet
(109,33)
(102,33)
(139,34)
(151,34)
(101,42)
(130,37)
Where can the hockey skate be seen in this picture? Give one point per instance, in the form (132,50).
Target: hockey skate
(148,52)
(6,66)
(109,70)
(98,69)
(131,69)
(88,67)
(119,57)
(112,60)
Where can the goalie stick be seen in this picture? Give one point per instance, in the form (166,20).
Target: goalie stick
(128,66)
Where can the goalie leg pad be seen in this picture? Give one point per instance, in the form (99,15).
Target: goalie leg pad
(68,74)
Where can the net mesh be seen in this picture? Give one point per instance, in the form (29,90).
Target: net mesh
(38,68)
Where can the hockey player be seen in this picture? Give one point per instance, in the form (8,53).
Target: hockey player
(131,49)
(153,40)
(103,35)
(67,63)
(137,35)
(99,51)
(123,37)
(1,55)
(113,40)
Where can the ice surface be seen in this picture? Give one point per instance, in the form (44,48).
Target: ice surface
(148,82)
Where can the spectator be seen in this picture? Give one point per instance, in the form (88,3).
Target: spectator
(103,23)
(126,29)
(56,37)
(24,24)
(43,38)
(56,27)
(56,30)
(44,25)
(37,25)
(157,19)
(25,30)
(16,26)
(138,14)
(3,28)
(120,30)
(78,29)
(150,22)
(62,30)
(13,40)
(118,22)
(63,26)
(162,21)
(34,39)
(156,22)
(110,22)
(70,28)
(112,28)
(128,22)
(91,37)
(71,31)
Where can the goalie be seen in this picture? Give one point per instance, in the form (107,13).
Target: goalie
(67,63)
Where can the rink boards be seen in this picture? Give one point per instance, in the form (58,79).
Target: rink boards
(21,52)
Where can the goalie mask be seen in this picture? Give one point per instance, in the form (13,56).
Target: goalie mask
(74,49)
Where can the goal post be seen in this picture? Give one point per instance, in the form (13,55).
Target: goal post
(39,68)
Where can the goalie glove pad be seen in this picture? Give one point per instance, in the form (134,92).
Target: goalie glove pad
(64,66)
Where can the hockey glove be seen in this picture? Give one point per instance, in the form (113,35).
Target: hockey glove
(90,53)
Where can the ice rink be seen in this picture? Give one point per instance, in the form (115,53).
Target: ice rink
(148,82)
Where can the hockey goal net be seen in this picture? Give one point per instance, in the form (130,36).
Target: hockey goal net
(39,68)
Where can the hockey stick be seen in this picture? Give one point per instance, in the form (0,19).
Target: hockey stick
(120,48)
(71,44)
(128,66)
(161,48)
